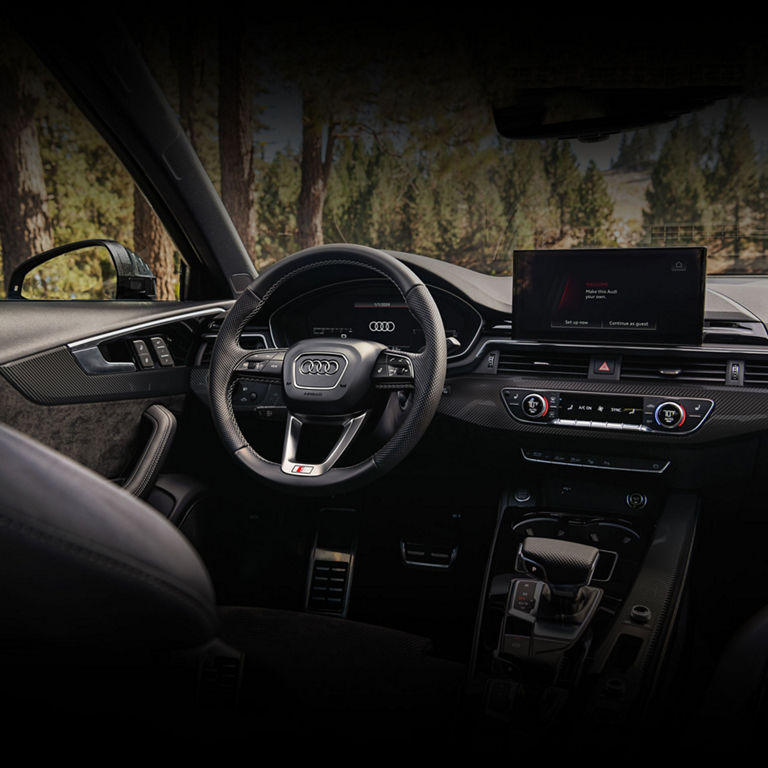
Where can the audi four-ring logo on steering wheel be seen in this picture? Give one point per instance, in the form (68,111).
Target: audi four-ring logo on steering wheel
(319,367)
(381,326)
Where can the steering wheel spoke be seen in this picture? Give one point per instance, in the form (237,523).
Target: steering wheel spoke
(350,426)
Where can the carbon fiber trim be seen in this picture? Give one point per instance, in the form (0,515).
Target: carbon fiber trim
(563,562)
(477,400)
(54,378)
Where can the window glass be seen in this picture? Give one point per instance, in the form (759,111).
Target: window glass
(348,136)
(60,183)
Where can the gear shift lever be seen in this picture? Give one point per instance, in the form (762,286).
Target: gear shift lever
(548,613)
(565,566)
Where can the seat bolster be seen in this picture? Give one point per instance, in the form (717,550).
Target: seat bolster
(83,563)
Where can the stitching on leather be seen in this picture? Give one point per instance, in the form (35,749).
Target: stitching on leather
(163,428)
(108,563)
(144,454)
(165,439)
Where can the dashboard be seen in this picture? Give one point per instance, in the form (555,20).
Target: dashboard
(637,403)
(573,401)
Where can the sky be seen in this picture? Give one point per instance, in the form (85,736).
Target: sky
(283,117)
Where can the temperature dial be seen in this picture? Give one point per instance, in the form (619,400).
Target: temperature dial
(670,415)
(535,406)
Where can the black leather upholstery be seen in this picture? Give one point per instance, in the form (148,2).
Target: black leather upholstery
(100,597)
(734,713)
(84,564)
(142,479)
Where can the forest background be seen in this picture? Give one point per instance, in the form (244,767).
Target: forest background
(306,149)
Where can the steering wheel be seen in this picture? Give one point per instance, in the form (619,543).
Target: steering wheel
(328,380)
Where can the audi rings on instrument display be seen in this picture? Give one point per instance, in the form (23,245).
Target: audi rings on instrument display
(319,367)
(381,326)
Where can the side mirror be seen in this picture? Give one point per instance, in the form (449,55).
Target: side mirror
(86,269)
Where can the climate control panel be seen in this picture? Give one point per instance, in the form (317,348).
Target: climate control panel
(599,410)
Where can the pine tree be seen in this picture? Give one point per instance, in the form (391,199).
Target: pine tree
(236,128)
(594,209)
(347,212)
(733,181)
(526,189)
(636,154)
(564,177)
(277,194)
(25,225)
(677,193)
(759,204)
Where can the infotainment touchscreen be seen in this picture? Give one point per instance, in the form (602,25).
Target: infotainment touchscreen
(639,295)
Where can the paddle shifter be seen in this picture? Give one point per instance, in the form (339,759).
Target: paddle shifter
(548,613)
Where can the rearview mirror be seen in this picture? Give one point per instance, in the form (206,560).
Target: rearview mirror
(87,269)
(594,114)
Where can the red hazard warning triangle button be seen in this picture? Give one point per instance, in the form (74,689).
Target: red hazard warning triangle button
(603,367)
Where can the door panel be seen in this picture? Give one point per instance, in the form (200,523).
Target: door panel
(103,436)
(94,418)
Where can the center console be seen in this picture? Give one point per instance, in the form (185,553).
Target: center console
(588,567)
(577,613)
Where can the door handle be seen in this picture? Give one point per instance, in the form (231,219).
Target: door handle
(141,481)
(92,361)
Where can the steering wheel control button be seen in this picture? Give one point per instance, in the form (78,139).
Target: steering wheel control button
(393,368)
(274,367)
(670,415)
(535,406)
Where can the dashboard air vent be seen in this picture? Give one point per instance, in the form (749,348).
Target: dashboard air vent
(692,370)
(252,337)
(756,374)
(547,365)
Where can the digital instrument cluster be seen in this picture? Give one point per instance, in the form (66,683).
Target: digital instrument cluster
(372,310)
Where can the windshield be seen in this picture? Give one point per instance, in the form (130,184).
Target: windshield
(332,144)
(328,138)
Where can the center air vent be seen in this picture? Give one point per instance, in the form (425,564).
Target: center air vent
(756,374)
(548,365)
(692,370)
